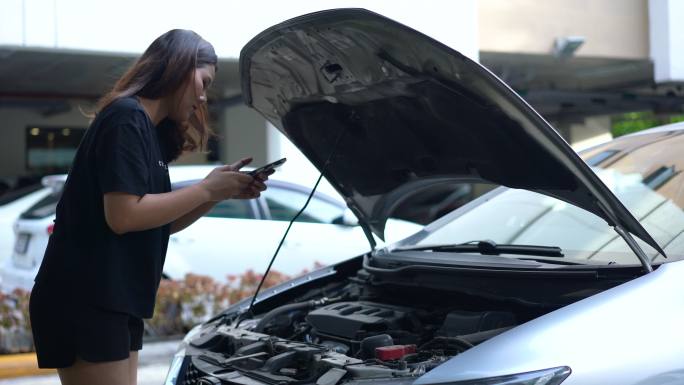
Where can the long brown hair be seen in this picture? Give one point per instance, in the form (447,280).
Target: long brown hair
(161,70)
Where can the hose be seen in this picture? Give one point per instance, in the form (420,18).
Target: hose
(266,319)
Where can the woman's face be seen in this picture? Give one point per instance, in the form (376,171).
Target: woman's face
(193,93)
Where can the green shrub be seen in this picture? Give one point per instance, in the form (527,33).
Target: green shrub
(636,121)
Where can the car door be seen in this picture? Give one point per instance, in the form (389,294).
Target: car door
(222,242)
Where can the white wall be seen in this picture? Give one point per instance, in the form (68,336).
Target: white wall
(667,39)
(612,28)
(131,25)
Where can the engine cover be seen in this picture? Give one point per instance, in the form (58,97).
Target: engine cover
(356,320)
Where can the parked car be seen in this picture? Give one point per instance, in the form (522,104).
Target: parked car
(553,277)
(235,236)
(13,203)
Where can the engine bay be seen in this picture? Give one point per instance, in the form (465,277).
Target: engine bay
(332,340)
(352,340)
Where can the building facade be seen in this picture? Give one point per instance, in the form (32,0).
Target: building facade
(578,62)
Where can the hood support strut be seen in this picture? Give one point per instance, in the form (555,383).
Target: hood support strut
(635,247)
(631,242)
(369,234)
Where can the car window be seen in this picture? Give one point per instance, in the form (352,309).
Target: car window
(283,204)
(43,208)
(232,208)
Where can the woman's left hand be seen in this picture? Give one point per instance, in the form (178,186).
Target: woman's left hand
(254,189)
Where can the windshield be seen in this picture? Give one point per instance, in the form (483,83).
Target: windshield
(645,175)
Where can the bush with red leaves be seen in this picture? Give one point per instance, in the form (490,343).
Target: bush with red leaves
(180,305)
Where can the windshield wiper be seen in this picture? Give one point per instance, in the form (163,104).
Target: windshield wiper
(488,247)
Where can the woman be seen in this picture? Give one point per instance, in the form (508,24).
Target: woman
(103,263)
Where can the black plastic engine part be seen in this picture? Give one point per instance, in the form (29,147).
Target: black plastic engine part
(299,354)
(208,380)
(458,323)
(355,320)
(213,342)
(369,344)
(252,348)
(273,314)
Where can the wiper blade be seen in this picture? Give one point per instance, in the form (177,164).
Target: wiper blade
(562,261)
(488,247)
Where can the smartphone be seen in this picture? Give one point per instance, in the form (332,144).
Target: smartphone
(267,167)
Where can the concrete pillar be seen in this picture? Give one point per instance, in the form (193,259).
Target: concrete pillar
(593,131)
(298,168)
(666,34)
(242,133)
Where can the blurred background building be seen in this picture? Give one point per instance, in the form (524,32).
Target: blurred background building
(594,68)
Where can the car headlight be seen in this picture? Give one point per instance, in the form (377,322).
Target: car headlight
(553,376)
(175,367)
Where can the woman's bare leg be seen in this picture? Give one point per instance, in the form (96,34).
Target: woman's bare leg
(101,373)
(133,368)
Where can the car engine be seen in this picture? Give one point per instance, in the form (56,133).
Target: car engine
(330,341)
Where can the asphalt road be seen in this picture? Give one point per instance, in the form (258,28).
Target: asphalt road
(154,360)
(147,375)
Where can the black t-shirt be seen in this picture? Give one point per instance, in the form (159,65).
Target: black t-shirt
(85,259)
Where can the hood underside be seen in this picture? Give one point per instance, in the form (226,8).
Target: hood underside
(393,111)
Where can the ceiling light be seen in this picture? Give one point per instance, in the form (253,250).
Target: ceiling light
(565,46)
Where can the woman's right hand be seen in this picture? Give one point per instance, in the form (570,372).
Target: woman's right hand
(226,182)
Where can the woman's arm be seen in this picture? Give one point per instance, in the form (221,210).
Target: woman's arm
(190,218)
(125,212)
(250,193)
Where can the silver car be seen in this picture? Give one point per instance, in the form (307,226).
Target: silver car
(567,272)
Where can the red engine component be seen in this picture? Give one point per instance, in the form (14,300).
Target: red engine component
(393,352)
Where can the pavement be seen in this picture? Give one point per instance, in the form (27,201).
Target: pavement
(147,375)
(154,358)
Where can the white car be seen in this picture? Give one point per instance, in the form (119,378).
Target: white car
(14,203)
(235,236)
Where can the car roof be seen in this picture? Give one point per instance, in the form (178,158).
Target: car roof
(280,184)
(678,126)
(178,174)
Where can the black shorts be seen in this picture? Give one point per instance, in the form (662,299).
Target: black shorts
(64,331)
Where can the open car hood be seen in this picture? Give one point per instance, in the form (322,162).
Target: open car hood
(400,111)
